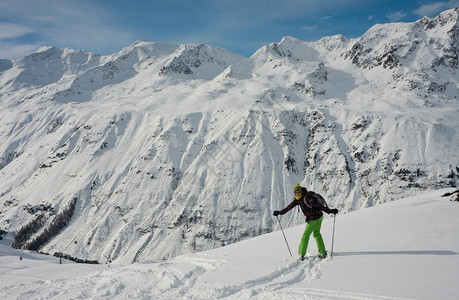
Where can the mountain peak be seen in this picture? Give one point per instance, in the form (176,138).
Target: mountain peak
(447,18)
(403,44)
(332,43)
(45,49)
(199,60)
(451,15)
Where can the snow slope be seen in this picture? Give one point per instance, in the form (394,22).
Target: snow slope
(173,149)
(407,249)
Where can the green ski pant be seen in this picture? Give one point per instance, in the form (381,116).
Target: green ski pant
(312,227)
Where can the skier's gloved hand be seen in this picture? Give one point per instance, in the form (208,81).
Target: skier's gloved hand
(334,211)
(276,213)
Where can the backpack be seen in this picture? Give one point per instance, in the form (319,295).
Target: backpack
(317,197)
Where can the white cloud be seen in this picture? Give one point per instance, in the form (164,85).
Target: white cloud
(432,9)
(16,51)
(11,30)
(9,49)
(396,16)
(74,24)
(309,28)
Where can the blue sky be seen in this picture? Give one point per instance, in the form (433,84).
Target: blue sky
(241,26)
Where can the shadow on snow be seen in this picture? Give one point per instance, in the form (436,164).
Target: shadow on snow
(405,252)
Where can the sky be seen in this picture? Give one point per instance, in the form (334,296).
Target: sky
(241,26)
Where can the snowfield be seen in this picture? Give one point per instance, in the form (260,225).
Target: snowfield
(407,249)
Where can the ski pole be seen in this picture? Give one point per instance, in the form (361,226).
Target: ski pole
(284,235)
(333,236)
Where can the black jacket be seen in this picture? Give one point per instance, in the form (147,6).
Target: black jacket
(313,212)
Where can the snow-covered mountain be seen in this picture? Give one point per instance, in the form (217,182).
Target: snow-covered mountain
(160,149)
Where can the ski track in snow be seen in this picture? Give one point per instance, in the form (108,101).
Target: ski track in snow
(166,280)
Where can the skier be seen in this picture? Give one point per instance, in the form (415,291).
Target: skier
(312,209)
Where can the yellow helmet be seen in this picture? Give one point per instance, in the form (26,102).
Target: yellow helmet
(296,189)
